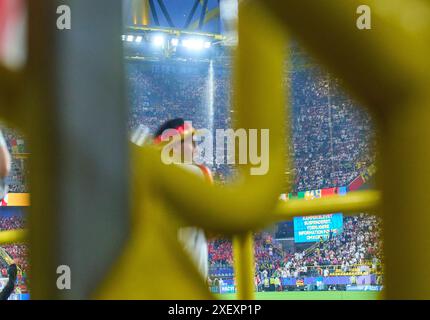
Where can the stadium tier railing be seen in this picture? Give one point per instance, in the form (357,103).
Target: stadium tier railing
(315,270)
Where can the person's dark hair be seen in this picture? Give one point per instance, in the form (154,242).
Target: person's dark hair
(170,124)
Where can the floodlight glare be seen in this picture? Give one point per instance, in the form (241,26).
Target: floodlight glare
(130,38)
(158,41)
(139,39)
(194,44)
(207,45)
(175,42)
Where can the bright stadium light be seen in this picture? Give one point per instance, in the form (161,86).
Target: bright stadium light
(194,44)
(175,42)
(123,37)
(130,38)
(139,39)
(207,45)
(158,41)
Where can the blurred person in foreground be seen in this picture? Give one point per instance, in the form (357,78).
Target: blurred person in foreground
(8,288)
(192,239)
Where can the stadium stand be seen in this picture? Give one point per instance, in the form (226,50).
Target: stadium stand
(18,252)
(333,143)
(333,140)
(17,180)
(357,251)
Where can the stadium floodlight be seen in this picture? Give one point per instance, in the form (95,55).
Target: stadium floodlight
(194,44)
(123,37)
(130,38)
(175,42)
(139,39)
(207,44)
(158,40)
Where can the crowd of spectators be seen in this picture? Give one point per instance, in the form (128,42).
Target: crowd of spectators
(159,91)
(268,252)
(220,253)
(332,138)
(358,245)
(195,91)
(332,141)
(18,252)
(17,180)
(12,222)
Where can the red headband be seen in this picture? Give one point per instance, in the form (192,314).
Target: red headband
(182,130)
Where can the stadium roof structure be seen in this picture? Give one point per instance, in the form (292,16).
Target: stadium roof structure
(153,43)
(193,15)
(174,31)
(190,30)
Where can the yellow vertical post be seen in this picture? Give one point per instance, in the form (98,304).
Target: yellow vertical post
(43,217)
(141,12)
(135,10)
(243,250)
(260,54)
(145,12)
(405,155)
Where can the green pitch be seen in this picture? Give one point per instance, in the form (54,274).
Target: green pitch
(310,295)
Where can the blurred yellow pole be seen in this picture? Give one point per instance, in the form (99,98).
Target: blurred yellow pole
(135,10)
(12,236)
(243,253)
(253,66)
(12,95)
(145,13)
(141,12)
(405,162)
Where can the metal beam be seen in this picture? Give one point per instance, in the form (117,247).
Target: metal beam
(214,13)
(203,14)
(146,18)
(154,12)
(166,13)
(191,14)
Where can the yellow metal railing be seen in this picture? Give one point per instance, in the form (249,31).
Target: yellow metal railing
(12,236)
(386,68)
